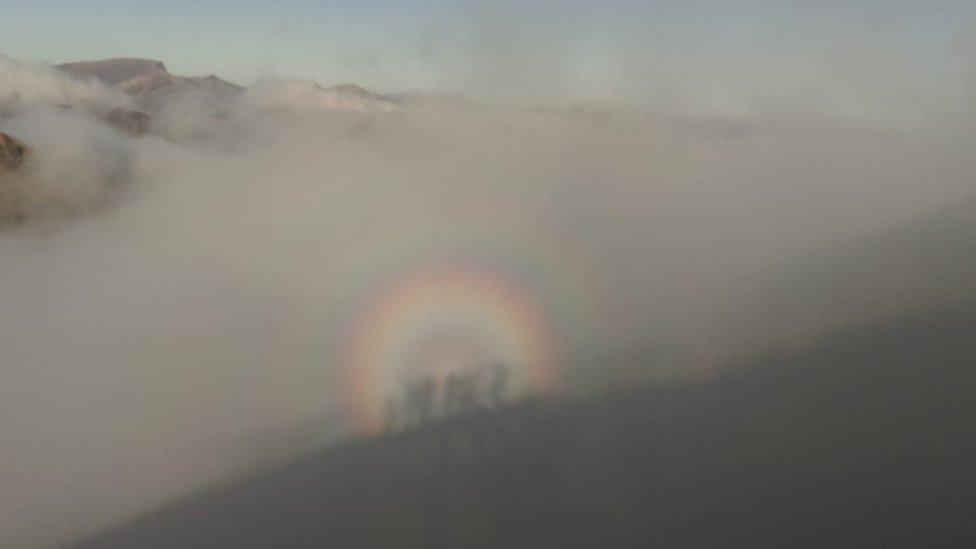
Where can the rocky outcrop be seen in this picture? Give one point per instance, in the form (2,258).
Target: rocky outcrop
(354,90)
(128,121)
(212,83)
(151,90)
(112,72)
(308,96)
(354,97)
(148,81)
(12,153)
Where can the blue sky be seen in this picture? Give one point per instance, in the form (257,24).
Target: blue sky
(728,53)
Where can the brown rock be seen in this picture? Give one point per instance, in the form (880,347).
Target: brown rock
(128,121)
(12,152)
(151,90)
(148,81)
(114,71)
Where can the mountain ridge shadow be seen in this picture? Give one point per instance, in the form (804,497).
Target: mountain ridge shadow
(865,439)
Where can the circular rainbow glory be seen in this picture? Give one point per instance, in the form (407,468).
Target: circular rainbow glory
(437,320)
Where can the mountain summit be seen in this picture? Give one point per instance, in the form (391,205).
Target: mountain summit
(148,81)
(112,72)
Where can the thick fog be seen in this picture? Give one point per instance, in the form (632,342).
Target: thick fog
(175,304)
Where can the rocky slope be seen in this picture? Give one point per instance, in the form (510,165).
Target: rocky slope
(308,96)
(148,81)
(13,154)
(112,72)
(864,440)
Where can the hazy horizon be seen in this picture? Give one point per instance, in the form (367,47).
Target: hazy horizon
(870,59)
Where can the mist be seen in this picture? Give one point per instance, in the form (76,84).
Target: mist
(176,304)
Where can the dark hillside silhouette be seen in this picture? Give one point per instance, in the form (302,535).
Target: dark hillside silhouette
(867,440)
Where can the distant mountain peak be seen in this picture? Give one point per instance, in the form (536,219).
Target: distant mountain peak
(308,95)
(147,80)
(352,89)
(114,71)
